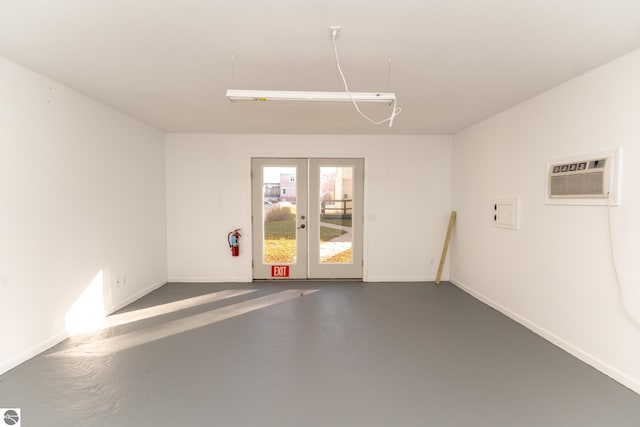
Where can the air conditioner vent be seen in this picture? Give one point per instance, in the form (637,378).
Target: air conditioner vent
(583,180)
(578,185)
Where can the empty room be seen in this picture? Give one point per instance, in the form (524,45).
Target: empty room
(337,213)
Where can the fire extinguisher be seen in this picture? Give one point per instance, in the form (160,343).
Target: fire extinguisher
(234,243)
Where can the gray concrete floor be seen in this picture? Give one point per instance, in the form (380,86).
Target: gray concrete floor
(349,354)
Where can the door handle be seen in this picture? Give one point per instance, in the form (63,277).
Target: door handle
(301,226)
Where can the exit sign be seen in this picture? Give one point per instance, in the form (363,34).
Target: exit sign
(279,271)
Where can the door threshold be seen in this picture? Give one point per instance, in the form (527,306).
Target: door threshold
(308,280)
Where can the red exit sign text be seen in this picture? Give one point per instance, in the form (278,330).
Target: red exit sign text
(279,271)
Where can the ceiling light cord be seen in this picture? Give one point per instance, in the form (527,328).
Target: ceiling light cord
(615,266)
(396,110)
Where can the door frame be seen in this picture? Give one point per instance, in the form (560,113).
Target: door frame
(299,269)
(316,269)
(358,218)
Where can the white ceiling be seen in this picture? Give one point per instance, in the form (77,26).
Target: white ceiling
(453,62)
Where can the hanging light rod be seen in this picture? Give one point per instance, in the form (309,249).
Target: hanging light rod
(309,96)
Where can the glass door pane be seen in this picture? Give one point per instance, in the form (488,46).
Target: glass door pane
(336,214)
(279,215)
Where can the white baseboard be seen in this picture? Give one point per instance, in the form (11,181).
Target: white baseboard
(403,279)
(63,335)
(605,368)
(33,351)
(134,297)
(178,279)
(236,279)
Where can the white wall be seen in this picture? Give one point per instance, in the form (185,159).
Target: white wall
(407,188)
(555,274)
(81,191)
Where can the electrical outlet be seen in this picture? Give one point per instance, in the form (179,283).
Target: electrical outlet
(119,281)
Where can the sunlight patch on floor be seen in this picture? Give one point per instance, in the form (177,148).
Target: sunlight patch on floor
(164,330)
(183,304)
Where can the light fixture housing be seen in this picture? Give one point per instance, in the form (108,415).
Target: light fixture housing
(309,96)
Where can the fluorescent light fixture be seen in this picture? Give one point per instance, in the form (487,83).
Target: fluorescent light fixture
(309,96)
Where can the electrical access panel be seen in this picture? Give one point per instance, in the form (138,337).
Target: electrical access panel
(505,213)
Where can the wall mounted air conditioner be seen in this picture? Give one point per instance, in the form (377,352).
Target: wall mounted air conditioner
(590,179)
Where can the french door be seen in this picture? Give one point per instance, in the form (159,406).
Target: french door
(307,218)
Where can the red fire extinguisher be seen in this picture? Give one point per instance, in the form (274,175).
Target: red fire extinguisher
(234,243)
